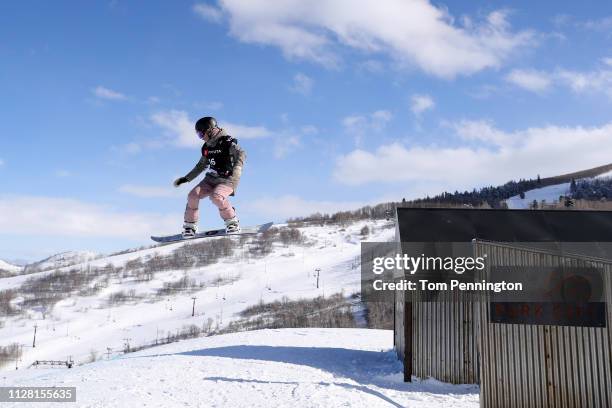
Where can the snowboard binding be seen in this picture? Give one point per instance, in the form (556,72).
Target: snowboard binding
(190,229)
(232,226)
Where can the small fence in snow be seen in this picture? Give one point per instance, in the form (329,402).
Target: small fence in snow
(53,363)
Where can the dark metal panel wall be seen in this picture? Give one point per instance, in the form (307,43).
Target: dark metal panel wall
(444,339)
(544,365)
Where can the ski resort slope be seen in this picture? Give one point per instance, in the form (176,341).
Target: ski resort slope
(264,368)
(79,327)
(548,194)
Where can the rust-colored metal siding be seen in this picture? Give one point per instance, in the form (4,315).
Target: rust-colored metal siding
(543,365)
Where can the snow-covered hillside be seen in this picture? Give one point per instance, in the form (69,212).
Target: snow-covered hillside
(84,325)
(63,259)
(549,194)
(10,268)
(266,368)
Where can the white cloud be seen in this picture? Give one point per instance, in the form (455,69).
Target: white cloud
(548,151)
(178,130)
(603,24)
(302,83)
(481,130)
(246,132)
(179,127)
(421,103)
(359,125)
(376,120)
(285,145)
(577,81)
(208,12)
(109,94)
(354,121)
(151,191)
(289,139)
(24,215)
(599,80)
(414,33)
(532,80)
(596,80)
(380,118)
(288,206)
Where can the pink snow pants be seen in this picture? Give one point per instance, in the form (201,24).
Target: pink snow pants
(218,195)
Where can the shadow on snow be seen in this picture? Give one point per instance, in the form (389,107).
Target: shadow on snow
(381,369)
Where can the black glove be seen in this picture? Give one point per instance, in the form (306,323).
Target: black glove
(179,181)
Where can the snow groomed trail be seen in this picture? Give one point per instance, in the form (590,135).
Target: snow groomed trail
(265,368)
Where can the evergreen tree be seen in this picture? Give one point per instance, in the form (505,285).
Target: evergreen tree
(573,186)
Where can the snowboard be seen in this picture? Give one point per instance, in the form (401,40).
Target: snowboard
(257,229)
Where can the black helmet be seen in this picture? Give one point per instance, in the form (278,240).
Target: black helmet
(205,123)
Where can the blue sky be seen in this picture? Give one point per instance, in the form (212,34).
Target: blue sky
(338,104)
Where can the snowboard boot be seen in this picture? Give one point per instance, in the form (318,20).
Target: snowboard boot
(189,229)
(232,226)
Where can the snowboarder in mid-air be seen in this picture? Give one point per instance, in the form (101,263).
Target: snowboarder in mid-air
(224,159)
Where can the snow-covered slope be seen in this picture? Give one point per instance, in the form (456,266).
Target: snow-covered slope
(607,174)
(5,266)
(82,325)
(266,368)
(287,367)
(548,194)
(64,259)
